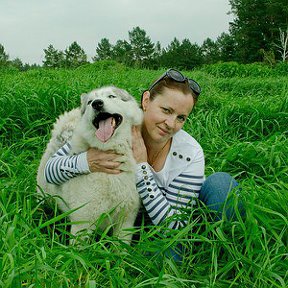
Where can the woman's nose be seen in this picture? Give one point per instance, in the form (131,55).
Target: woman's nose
(170,121)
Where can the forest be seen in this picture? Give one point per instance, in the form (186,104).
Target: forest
(258,33)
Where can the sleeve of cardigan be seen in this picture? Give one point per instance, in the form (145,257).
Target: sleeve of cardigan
(61,166)
(162,203)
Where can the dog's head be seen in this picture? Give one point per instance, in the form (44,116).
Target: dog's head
(108,108)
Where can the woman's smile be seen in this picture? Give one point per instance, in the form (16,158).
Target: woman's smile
(163,132)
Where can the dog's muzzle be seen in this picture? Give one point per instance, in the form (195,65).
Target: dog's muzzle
(106,124)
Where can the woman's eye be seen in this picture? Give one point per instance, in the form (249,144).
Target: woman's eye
(181,118)
(165,110)
(111,96)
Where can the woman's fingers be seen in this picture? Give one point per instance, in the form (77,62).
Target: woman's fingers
(103,161)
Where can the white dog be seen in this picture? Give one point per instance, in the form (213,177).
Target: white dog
(104,121)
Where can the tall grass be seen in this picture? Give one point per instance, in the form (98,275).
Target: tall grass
(241,123)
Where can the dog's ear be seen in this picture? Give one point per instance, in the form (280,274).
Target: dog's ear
(135,113)
(84,98)
(124,95)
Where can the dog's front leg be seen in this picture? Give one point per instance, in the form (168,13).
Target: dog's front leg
(79,231)
(122,229)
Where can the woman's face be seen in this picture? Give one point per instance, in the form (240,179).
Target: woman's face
(165,114)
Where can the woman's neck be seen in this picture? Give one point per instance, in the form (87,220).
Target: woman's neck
(155,147)
(156,151)
(150,144)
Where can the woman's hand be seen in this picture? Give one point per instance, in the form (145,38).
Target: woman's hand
(103,161)
(138,145)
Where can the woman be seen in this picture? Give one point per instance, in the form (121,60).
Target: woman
(170,162)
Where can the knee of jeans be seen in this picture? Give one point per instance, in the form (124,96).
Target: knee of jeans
(216,187)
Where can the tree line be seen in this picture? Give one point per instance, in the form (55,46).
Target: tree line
(258,33)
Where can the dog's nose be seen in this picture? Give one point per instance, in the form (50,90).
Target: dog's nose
(97,104)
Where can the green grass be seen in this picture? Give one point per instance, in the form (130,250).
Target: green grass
(241,123)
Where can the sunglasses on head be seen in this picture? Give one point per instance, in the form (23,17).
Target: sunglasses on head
(179,77)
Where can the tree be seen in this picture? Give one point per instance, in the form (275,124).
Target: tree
(226,47)
(169,57)
(4,57)
(53,58)
(282,47)
(122,52)
(211,51)
(174,45)
(255,27)
(190,55)
(158,51)
(27,66)
(104,50)
(142,47)
(247,27)
(184,55)
(17,63)
(75,55)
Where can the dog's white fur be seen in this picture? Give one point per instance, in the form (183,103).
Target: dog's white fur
(98,192)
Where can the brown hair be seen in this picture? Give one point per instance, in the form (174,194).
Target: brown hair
(171,84)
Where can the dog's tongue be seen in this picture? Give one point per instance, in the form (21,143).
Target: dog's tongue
(106,129)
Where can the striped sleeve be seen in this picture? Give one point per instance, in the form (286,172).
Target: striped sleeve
(162,203)
(61,166)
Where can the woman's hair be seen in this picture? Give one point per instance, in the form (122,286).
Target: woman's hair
(171,84)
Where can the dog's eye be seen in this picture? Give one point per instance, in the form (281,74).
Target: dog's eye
(111,96)
(89,102)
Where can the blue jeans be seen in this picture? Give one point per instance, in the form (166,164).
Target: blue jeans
(214,194)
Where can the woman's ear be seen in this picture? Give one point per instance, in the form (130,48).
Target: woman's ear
(145,100)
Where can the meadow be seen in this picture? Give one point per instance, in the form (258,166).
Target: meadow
(241,123)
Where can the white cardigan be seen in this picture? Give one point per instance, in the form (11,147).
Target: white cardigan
(177,185)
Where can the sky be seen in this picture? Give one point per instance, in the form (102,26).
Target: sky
(27,27)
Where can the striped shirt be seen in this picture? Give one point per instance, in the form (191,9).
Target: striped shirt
(165,193)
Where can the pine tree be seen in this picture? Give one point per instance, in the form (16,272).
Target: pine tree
(104,50)
(17,63)
(75,55)
(4,57)
(210,50)
(122,52)
(142,47)
(53,58)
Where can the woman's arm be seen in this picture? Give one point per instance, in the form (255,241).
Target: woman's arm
(61,166)
(162,203)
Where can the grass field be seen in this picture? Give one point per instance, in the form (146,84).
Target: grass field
(241,123)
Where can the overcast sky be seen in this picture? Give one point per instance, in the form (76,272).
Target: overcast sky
(29,26)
